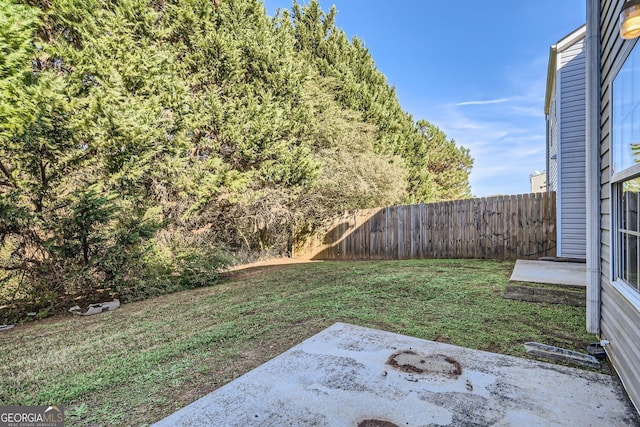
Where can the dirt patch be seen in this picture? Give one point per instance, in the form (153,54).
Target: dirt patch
(551,296)
(442,339)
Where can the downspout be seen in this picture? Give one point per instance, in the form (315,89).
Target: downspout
(593,166)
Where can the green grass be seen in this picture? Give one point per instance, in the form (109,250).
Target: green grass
(138,364)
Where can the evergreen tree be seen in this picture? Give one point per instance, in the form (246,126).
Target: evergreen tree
(363,88)
(140,139)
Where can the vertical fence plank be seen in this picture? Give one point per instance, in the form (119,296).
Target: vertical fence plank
(473,240)
(408,232)
(457,229)
(551,233)
(539,238)
(519,226)
(365,235)
(513,227)
(430,221)
(505,227)
(482,219)
(449,217)
(499,229)
(439,232)
(459,226)
(446,215)
(426,221)
(506,218)
(393,233)
(348,238)
(374,232)
(494,226)
(526,231)
(423,232)
(387,234)
(475,218)
(486,222)
(413,235)
(531,224)
(416,232)
(400,229)
(436,239)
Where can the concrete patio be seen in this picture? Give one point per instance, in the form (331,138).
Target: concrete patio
(550,272)
(353,376)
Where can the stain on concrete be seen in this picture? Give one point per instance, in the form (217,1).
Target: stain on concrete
(376,423)
(413,362)
(466,409)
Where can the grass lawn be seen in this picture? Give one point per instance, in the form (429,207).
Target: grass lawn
(138,364)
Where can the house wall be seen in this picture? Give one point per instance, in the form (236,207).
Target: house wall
(570,87)
(552,144)
(620,306)
(538,183)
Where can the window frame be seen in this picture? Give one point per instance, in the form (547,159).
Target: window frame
(616,183)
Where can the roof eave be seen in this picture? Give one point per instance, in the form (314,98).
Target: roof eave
(551,78)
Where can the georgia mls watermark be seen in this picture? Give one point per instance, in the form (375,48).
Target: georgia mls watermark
(31,416)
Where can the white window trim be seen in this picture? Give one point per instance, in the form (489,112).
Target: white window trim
(630,172)
(629,293)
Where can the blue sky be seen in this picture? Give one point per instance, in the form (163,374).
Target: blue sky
(476,69)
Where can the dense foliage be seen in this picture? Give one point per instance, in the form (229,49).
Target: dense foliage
(141,141)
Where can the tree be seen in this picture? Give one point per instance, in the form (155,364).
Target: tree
(447,164)
(75,167)
(140,140)
(436,168)
(352,174)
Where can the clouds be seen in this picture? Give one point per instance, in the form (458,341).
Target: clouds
(506,137)
(505,133)
(486,102)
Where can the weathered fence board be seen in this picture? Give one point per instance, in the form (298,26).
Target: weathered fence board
(522,226)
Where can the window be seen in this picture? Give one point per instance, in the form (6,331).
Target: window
(629,232)
(626,114)
(625,129)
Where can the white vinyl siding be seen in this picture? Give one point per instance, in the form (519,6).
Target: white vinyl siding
(571,93)
(620,308)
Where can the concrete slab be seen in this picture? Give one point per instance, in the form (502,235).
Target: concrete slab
(353,376)
(555,273)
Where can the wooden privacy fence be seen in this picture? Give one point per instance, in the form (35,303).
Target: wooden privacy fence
(504,227)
